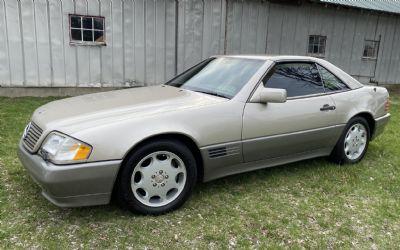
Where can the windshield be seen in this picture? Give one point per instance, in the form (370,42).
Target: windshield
(223,76)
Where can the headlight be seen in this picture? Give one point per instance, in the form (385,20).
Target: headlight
(61,149)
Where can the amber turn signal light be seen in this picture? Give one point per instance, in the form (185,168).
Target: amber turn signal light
(387,105)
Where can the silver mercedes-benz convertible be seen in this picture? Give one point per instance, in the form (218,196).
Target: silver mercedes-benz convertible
(148,146)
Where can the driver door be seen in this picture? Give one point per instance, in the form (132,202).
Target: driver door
(304,123)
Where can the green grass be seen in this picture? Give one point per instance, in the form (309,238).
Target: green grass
(310,204)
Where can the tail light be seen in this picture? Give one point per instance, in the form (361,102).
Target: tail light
(387,105)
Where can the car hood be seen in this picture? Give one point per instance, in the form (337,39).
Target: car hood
(96,109)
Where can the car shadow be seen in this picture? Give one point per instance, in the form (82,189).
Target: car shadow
(243,181)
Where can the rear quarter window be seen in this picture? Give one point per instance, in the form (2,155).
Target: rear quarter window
(330,81)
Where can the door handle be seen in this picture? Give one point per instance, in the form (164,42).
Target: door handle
(327,107)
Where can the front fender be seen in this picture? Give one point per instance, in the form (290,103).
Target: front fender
(206,126)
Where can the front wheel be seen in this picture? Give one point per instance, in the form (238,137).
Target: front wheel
(159,177)
(353,143)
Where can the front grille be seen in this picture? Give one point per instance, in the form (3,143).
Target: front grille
(31,136)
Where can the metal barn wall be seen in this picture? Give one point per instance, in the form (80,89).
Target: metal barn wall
(262,27)
(149,41)
(35,49)
(201,31)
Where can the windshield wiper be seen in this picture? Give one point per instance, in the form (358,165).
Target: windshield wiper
(212,93)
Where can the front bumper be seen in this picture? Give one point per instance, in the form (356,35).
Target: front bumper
(380,124)
(72,185)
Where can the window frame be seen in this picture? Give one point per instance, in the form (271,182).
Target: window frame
(272,66)
(82,42)
(295,61)
(319,54)
(323,83)
(376,49)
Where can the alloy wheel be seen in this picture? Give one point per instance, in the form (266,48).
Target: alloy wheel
(158,178)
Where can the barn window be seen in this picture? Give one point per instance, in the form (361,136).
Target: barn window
(87,30)
(316,45)
(370,49)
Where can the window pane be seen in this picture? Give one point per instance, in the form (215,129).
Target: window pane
(88,35)
(370,49)
(373,51)
(297,78)
(321,49)
(370,52)
(225,76)
(331,82)
(76,35)
(365,53)
(87,23)
(98,36)
(310,48)
(316,44)
(98,23)
(315,50)
(311,40)
(76,22)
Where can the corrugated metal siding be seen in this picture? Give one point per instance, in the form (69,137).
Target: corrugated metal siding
(35,49)
(284,29)
(201,31)
(149,41)
(246,27)
(392,6)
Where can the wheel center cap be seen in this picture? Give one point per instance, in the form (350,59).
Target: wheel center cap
(159,178)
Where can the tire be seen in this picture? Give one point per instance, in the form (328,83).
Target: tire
(353,143)
(157,178)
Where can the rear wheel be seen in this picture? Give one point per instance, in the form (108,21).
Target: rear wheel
(159,177)
(353,143)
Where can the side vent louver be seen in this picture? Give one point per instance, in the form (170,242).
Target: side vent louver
(223,151)
(217,152)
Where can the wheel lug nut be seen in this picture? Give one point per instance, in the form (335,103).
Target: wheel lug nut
(166,177)
(162,184)
(155,184)
(160,171)
(153,176)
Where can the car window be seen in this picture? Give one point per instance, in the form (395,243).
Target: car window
(224,76)
(180,79)
(298,79)
(331,82)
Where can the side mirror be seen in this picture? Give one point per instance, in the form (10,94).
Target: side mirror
(272,95)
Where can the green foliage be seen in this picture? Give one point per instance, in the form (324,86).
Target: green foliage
(310,204)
